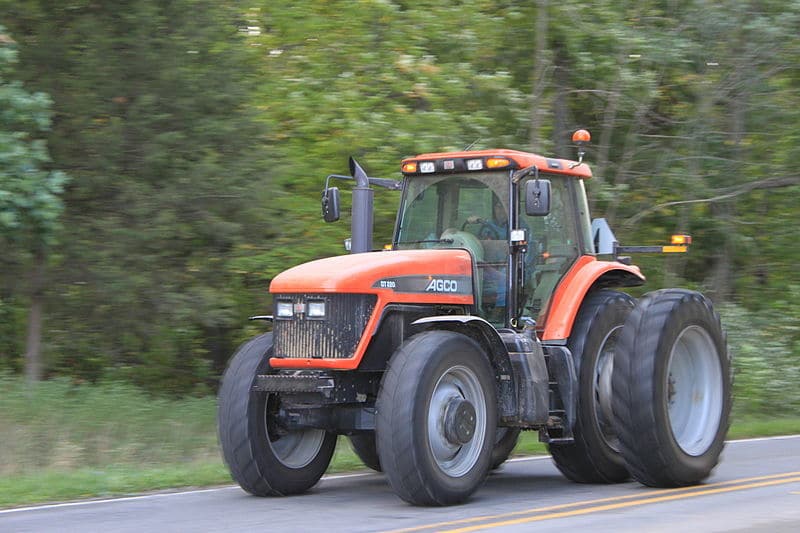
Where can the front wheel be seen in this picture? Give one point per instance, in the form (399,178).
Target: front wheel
(264,458)
(672,389)
(504,443)
(436,418)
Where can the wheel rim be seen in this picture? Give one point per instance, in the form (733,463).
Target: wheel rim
(603,371)
(293,449)
(457,456)
(694,390)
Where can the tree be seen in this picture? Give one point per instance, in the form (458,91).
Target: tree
(154,124)
(30,191)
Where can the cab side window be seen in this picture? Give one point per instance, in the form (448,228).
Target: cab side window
(554,243)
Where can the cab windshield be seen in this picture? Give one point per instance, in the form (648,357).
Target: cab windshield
(462,211)
(470,211)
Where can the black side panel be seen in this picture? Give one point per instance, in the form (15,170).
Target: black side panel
(394,327)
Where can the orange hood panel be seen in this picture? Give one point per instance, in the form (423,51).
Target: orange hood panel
(359,273)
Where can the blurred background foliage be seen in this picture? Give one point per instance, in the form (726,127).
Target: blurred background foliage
(188,142)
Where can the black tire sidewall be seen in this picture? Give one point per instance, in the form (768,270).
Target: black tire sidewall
(504,446)
(684,466)
(590,459)
(419,364)
(429,377)
(282,478)
(366,449)
(611,314)
(243,435)
(649,447)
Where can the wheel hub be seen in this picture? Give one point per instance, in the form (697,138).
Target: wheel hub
(459,421)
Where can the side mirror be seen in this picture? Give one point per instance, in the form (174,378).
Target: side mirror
(330,204)
(537,198)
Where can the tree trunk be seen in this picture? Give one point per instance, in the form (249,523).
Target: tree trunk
(541,64)
(561,120)
(34,369)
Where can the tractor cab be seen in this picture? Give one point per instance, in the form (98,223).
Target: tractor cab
(524,227)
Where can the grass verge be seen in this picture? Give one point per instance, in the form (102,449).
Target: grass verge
(59,485)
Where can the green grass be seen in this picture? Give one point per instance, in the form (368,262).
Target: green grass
(60,441)
(50,485)
(53,485)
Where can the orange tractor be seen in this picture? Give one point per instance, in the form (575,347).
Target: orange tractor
(496,310)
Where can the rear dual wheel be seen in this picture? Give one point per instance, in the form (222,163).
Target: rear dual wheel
(672,389)
(436,418)
(594,456)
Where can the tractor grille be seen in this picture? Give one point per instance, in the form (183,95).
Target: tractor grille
(333,337)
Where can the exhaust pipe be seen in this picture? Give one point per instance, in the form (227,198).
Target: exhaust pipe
(361,219)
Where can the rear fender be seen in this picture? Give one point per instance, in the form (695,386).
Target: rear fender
(587,273)
(487,336)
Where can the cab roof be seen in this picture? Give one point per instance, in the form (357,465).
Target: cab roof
(495,159)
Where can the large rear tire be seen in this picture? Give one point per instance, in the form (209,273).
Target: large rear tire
(436,418)
(263,458)
(365,448)
(594,456)
(672,389)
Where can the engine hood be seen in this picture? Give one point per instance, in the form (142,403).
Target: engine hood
(373,271)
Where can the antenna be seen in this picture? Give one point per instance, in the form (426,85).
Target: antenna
(471,145)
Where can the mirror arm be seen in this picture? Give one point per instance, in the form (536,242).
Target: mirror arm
(386,183)
(519,174)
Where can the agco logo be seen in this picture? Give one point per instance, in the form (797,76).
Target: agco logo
(442,285)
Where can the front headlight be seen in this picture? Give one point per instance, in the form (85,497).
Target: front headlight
(316,309)
(284,309)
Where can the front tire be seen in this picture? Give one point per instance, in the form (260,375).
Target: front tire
(263,458)
(672,389)
(504,443)
(436,418)
(594,456)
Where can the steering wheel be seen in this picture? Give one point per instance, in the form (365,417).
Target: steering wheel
(486,230)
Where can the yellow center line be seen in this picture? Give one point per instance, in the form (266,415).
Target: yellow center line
(622,505)
(649,496)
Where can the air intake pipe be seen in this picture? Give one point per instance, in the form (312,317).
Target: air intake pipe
(361,220)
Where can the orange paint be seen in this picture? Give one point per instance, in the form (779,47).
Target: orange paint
(522,159)
(570,293)
(357,274)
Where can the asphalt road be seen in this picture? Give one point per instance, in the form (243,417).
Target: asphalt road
(755,488)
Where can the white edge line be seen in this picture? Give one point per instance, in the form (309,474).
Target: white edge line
(324,478)
(149,496)
(757,439)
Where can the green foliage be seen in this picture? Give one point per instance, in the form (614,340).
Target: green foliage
(156,125)
(12,320)
(30,203)
(766,359)
(197,135)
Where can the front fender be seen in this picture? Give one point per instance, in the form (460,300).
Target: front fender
(487,336)
(585,274)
